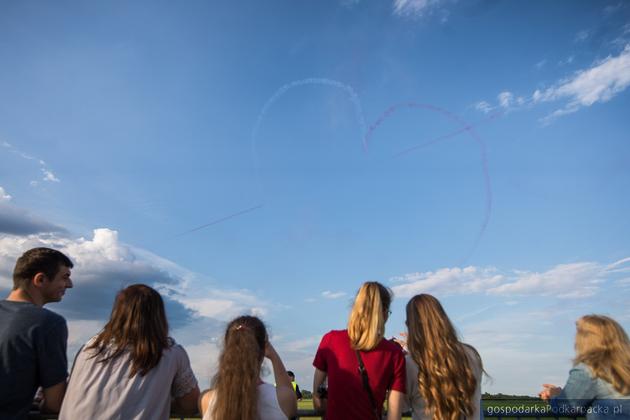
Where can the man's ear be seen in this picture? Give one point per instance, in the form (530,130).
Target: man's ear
(38,279)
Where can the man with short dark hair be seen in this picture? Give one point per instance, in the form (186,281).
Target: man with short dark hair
(33,340)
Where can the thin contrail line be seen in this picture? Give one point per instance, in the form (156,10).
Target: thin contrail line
(223,219)
(465,127)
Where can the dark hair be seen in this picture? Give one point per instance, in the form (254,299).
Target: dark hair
(290,373)
(236,382)
(138,324)
(38,260)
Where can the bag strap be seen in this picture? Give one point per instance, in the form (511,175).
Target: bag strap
(366,384)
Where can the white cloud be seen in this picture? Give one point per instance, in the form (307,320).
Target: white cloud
(600,83)
(104,265)
(448,281)
(4,196)
(333,295)
(541,64)
(505,99)
(567,281)
(576,280)
(483,106)
(415,8)
(225,305)
(49,176)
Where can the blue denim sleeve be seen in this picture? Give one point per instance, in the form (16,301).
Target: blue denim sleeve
(579,391)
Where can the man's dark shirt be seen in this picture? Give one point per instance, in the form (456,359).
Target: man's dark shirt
(32,354)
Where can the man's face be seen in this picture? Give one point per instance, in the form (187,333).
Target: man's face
(54,289)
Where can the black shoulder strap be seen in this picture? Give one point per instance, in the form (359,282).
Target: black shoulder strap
(366,384)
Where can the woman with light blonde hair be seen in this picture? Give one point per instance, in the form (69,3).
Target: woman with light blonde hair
(237,392)
(443,374)
(360,365)
(599,383)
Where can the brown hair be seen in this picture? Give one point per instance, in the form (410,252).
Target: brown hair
(445,376)
(38,260)
(137,324)
(366,326)
(603,345)
(236,383)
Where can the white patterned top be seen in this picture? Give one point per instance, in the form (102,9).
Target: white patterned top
(104,390)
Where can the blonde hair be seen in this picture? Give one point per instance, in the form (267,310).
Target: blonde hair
(445,374)
(236,382)
(603,345)
(366,326)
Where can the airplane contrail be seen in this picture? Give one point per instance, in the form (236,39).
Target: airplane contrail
(223,219)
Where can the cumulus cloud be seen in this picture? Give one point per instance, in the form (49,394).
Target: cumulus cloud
(333,295)
(567,281)
(103,265)
(18,221)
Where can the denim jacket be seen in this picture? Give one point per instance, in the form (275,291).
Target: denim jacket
(585,395)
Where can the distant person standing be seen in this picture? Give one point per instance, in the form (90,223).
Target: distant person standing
(33,340)
(296,387)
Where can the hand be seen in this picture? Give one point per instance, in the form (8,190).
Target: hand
(402,341)
(317,402)
(270,352)
(549,391)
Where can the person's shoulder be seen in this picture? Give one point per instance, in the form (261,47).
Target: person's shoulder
(174,349)
(391,346)
(582,369)
(335,335)
(471,352)
(53,316)
(35,314)
(265,386)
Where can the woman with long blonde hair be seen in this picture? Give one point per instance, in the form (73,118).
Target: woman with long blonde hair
(237,392)
(443,374)
(360,365)
(599,383)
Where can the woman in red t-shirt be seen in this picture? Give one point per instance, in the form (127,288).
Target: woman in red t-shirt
(337,360)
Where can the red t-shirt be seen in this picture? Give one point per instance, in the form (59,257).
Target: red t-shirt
(347,399)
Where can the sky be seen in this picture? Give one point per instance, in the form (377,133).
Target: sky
(268,157)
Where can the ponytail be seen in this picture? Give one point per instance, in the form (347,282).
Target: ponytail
(236,382)
(366,326)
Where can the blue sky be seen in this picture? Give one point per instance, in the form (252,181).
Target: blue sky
(476,150)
